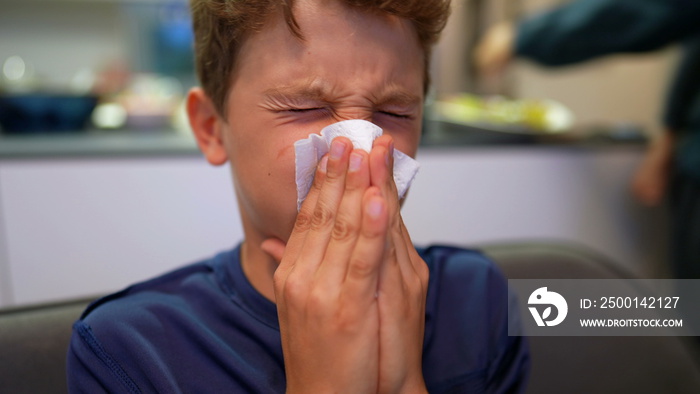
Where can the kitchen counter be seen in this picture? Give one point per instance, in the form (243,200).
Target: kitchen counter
(168,143)
(97,143)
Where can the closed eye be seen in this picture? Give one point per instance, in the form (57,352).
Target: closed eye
(303,109)
(303,114)
(395,115)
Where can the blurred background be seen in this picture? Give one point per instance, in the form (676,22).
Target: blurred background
(101,183)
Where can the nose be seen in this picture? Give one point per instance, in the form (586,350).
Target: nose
(362,113)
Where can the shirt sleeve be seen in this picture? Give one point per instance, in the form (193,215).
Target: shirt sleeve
(682,112)
(90,369)
(584,29)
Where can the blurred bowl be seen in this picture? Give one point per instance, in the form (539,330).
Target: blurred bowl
(45,113)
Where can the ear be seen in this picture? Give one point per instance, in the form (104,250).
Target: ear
(207,126)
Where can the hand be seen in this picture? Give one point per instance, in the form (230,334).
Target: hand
(326,283)
(495,50)
(351,289)
(403,285)
(651,179)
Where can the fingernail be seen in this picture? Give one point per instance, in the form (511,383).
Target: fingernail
(375,207)
(355,161)
(324,164)
(391,148)
(337,149)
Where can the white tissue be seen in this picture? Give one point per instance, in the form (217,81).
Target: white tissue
(362,133)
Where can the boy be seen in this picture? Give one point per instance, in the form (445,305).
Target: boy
(334,298)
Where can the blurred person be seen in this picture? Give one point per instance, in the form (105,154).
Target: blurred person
(585,29)
(331,298)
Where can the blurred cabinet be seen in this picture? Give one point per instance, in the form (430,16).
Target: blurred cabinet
(88,226)
(468,196)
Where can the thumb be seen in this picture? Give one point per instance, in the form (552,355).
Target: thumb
(274,247)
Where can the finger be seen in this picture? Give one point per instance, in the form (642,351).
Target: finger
(348,220)
(420,268)
(287,255)
(407,239)
(302,224)
(361,279)
(326,207)
(273,247)
(381,174)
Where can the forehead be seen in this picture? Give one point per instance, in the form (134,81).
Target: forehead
(332,28)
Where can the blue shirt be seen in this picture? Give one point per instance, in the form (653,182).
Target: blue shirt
(205,329)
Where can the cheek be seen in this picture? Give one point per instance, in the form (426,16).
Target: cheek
(266,189)
(407,139)
(282,173)
(286,153)
(407,144)
(264,167)
(276,171)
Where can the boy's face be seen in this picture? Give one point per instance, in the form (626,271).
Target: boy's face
(350,65)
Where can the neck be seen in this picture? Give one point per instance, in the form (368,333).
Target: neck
(258,267)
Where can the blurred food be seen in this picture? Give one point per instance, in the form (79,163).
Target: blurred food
(150,101)
(109,116)
(109,98)
(501,114)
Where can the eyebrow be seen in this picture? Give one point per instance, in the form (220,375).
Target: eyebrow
(308,91)
(316,91)
(399,97)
